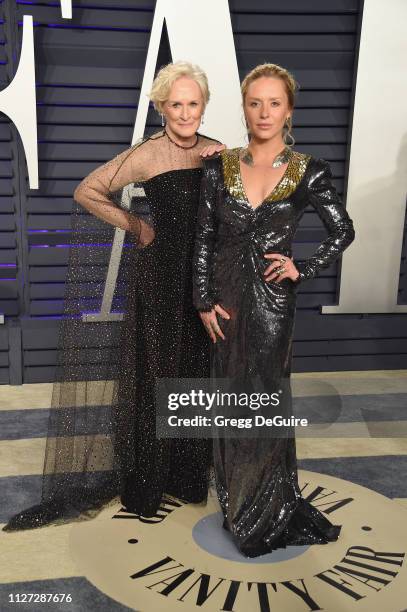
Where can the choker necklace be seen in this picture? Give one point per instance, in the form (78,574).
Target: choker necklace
(282,158)
(182,146)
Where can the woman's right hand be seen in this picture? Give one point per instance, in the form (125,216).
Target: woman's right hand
(210,150)
(210,321)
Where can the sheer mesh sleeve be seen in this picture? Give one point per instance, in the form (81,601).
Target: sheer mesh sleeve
(326,201)
(96,192)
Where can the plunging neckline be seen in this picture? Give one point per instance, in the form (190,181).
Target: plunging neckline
(242,187)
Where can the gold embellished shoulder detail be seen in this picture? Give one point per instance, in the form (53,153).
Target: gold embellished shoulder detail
(297,164)
(231,172)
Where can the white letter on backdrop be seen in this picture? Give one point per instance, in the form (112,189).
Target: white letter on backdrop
(66,9)
(18,101)
(376,196)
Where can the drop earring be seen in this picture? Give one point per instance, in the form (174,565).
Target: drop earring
(287,133)
(203,119)
(162,120)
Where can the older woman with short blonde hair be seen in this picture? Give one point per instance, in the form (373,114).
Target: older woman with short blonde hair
(162,336)
(161,89)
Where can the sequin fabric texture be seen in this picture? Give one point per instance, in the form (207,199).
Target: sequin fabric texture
(101,441)
(256,478)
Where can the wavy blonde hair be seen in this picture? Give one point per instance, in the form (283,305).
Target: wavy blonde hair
(167,75)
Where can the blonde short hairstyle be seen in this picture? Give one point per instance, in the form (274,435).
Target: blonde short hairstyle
(275,71)
(165,78)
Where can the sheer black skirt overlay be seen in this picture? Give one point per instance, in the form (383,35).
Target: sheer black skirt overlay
(101,441)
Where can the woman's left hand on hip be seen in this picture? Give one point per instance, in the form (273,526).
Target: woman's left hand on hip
(281,267)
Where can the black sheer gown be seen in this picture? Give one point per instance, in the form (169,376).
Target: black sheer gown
(101,441)
(256,478)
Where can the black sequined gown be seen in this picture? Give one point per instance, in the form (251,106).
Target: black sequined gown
(101,441)
(165,338)
(256,478)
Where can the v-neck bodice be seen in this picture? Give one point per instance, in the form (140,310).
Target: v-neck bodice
(268,195)
(237,236)
(292,176)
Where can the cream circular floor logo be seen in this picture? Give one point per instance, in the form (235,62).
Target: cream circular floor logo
(182,559)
